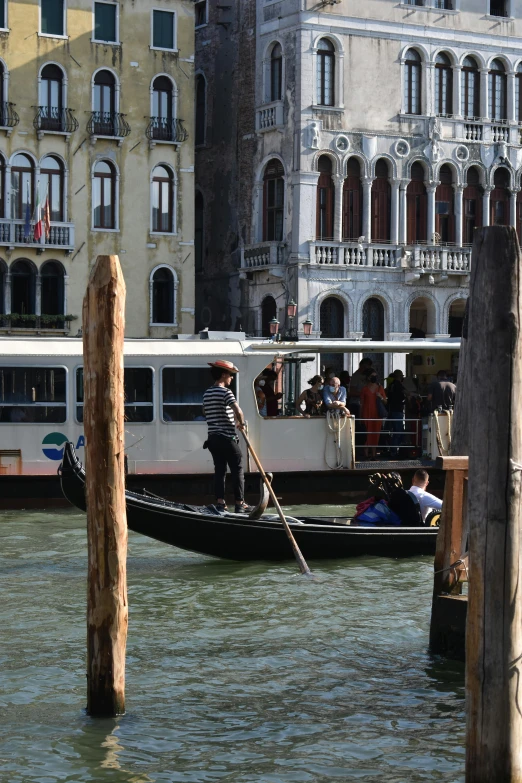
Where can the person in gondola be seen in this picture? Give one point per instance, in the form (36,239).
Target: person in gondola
(223,415)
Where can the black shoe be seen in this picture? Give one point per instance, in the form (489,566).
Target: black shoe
(242,508)
(222,507)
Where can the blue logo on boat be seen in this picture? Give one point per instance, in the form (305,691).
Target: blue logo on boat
(58,439)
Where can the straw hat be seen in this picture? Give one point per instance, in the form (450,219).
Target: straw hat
(224,365)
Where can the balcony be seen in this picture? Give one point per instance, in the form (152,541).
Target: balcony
(355,254)
(29,323)
(161,130)
(270,117)
(12,234)
(50,119)
(108,125)
(263,255)
(8,117)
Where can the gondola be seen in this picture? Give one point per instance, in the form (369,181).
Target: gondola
(237,537)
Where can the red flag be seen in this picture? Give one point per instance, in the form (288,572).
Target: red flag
(38,216)
(47,216)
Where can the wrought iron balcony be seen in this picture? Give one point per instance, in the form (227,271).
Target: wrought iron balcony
(163,129)
(8,117)
(51,118)
(108,123)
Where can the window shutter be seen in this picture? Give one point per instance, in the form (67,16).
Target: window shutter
(105,22)
(52,17)
(163,30)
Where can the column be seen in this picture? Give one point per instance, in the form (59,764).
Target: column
(38,294)
(457,91)
(459,190)
(429,108)
(367,208)
(394,227)
(511,83)
(338,207)
(484,107)
(513,207)
(7,294)
(431,213)
(485,206)
(403,212)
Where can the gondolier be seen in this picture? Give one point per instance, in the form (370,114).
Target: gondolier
(223,414)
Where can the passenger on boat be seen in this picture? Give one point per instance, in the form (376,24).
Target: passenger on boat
(312,398)
(344,377)
(272,397)
(334,396)
(223,414)
(370,393)
(426,500)
(260,395)
(441,393)
(396,394)
(357,382)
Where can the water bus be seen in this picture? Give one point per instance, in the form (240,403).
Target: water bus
(41,407)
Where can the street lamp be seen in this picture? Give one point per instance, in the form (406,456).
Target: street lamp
(307,327)
(291,312)
(274,327)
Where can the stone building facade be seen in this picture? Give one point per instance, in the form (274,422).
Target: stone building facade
(385,133)
(97,141)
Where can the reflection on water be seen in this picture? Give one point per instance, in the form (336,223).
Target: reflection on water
(236,672)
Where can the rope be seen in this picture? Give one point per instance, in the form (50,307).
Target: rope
(336,424)
(461,562)
(515,466)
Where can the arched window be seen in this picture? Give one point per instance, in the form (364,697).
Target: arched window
(3,272)
(51,98)
(163,200)
(497,91)
(273,201)
(201,109)
(325,73)
(416,204)
(470,89)
(199,215)
(162,109)
(104,195)
(443,85)
(373,327)
(381,203)
(51,187)
(52,275)
(2,187)
(518,94)
(422,317)
(499,198)
(104,104)
(268,312)
(331,324)
(444,206)
(276,73)
(412,83)
(352,201)
(163,296)
(23,288)
(456,317)
(325,199)
(472,197)
(22,187)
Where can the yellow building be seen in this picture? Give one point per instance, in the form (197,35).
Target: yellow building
(96,157)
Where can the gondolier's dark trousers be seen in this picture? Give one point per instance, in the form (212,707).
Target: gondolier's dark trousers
(227,452)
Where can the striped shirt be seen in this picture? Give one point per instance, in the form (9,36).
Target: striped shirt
(217,402)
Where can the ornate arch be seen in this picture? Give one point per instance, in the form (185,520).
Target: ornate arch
(477,56)
(364,163)
(336,160)
(418,47)
(318,299)
(384,298)
(386,156)
(445,50)
(463,294)
(426,165)
(480,166)
(423,293)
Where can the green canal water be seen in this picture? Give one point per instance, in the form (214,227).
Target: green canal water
(236,673)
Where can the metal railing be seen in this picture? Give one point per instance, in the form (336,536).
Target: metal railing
(163,129)
(51,118)
(14,321)
(108,123)
(8,117)
(13,232)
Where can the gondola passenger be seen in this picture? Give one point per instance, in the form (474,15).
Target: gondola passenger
(426,500)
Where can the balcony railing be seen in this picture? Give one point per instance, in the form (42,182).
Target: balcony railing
(163,129)
(270,116)
(262,255)
(108,123)
(441,259)
(8,117)
(51,118)
(13,232)
(14,321)
(424,258)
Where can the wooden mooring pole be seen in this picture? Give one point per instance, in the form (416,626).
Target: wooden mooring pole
(494,625)
(107,611)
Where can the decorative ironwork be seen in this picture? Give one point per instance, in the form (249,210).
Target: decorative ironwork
(108,123)
(51,118)
(8,117)
(163,129)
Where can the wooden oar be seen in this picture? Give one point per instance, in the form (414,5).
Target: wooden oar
(297,552)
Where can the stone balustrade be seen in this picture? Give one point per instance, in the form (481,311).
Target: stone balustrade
(13,233)
(436,258)
(262,255)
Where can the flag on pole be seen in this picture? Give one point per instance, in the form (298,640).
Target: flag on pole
(38,216)
(27,224)
(47,215)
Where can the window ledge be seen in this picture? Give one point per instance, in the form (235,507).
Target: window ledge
(48,35)
(450,11)
(41,133)
(499,18)
(162,49)
(119,139)
(153,142)
(106,230)
(105,43)
(317,107)
(155,324)
(200,26)
(163,234)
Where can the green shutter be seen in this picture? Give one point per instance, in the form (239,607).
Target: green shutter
(163,30)
(52,17)
(105,22)
(2,12)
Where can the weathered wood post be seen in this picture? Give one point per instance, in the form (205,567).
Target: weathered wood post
(107,611)
(494,627)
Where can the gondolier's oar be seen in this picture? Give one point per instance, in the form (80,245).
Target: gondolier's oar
(297,552)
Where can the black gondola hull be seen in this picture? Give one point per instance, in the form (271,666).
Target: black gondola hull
(236,537)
